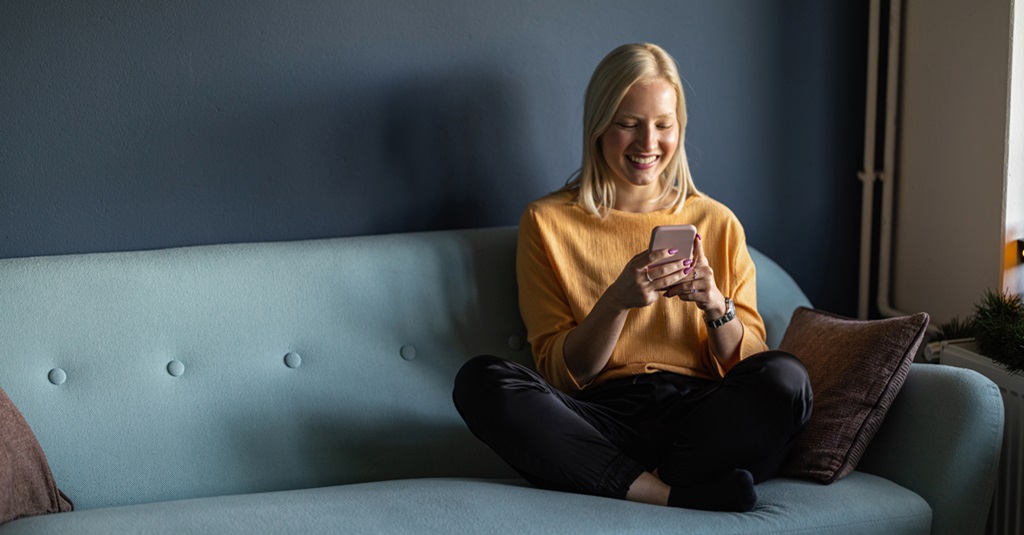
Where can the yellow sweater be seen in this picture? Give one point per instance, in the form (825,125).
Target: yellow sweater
(567,258)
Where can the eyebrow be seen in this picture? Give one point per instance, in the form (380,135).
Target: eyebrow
(635,116)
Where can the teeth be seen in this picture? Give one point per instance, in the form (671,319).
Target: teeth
(642,161)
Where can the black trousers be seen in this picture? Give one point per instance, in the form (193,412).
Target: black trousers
(690,429)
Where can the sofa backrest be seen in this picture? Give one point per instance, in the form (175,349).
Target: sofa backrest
(198,371)
(778,295)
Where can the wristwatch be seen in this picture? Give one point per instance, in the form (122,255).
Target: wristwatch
(730,313)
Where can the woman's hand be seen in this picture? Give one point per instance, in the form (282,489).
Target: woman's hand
(698,284)
(642,282)
(588,347)
(699,287)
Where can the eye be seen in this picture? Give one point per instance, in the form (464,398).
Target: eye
(665,126)
(627,125)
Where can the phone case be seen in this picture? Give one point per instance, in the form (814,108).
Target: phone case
(673,237)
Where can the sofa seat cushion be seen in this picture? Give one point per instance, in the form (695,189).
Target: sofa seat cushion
(861,503)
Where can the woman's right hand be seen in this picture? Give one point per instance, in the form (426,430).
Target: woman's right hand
(640,284)
(589,346)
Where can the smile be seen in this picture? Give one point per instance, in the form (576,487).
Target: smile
(642,160)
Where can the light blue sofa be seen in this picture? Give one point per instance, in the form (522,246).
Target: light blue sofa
(305,387)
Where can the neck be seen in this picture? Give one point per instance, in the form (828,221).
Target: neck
(638,199)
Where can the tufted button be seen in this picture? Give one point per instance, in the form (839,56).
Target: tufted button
(408,352)
(57,376)
(292,360)
(515,343)
(175,368)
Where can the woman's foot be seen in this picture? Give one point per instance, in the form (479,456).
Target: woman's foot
(732,491)
(648,489)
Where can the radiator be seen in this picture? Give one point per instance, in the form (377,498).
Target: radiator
(1006,516)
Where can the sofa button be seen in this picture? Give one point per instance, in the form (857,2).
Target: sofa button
(515,343)
(57,376)
(292,360)
(175,368)
(408,352)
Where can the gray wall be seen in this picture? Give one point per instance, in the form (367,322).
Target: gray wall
(135,125)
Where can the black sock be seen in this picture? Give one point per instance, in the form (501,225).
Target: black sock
(732,491)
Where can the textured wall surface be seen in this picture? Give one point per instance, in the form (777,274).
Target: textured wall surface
(139,125)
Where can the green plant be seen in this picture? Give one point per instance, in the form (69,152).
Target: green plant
(956,328)
(998,326)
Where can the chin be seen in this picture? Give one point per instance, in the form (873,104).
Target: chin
(643,180)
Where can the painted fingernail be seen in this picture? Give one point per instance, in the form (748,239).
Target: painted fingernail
(698,237)
(687,271)
(687,262)
(673,251)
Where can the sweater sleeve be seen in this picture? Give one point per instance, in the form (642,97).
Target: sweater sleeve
(543,305)
(741,286)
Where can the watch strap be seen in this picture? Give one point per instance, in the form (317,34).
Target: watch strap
(730,314)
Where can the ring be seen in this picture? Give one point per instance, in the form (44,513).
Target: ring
(648,274)
(695,277)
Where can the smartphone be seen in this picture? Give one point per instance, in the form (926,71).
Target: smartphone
(673,237)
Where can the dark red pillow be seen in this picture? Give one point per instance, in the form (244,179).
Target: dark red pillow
(856,368)
(27,487)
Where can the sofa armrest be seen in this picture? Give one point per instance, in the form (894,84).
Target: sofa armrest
(941,439)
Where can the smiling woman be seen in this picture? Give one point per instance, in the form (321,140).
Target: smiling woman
(651,385)
(635,94)
(639,144)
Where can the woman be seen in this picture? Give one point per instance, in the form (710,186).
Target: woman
(655,383)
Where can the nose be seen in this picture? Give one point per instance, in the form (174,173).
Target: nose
(647,138)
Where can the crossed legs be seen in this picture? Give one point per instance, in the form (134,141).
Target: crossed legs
(657,438)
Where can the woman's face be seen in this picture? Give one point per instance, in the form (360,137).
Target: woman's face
(642,137)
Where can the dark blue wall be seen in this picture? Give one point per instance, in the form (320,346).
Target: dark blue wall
(135,125)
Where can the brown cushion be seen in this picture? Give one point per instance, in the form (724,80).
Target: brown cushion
(27,487)
(856,368)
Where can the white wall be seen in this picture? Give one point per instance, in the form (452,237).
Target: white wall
(952,160)
(1013,268)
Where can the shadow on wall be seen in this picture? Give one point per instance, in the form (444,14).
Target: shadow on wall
(437,150)
(456,152)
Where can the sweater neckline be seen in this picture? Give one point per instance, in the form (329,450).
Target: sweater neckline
(654,213)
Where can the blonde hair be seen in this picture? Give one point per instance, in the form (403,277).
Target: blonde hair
(614,76)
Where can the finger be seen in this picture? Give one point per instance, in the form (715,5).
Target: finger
(683,290)
(640,266)
(698,250)
(664,268)
(698,255)
(660,255)
(685,294)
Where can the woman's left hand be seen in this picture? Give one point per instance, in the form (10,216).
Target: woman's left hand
(699,285)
